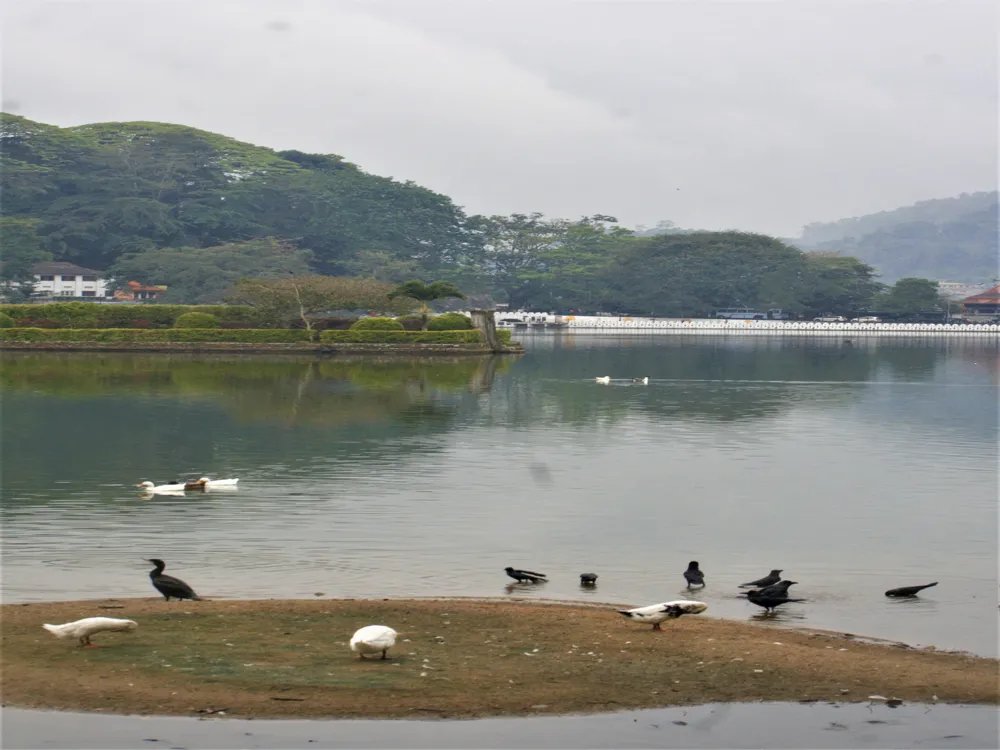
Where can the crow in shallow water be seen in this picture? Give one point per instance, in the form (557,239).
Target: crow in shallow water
(909,590)
(588,579)
(769,580)
(769,602)
(693,575)
(777,589)
(525,575)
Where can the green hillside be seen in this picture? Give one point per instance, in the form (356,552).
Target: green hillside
(950,239)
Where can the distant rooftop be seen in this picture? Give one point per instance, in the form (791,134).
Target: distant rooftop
(65,269)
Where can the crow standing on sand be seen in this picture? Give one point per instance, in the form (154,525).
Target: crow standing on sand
(168,585)
(908,590)
(769,580)
(525,575)
(693,575)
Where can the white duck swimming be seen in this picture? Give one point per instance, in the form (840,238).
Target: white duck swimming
(172,487)
(88,626)
(657,613)
(373,638)
(603,381)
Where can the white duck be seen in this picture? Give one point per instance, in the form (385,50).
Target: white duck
(603,381)
(157,489)
(657,613)
(88,626)
(373,638)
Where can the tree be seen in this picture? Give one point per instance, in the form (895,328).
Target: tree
(838,283)
(206,275)
(22,249)
(423,293)
(282,300)
(911,296)
(381,265)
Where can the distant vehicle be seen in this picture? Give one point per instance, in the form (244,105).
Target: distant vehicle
(867,319)
(778,314)
(738,313)
(830,319)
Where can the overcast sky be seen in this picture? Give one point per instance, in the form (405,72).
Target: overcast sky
(745,114)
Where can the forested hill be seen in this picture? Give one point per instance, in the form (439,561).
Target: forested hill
(95,194)
(949,239)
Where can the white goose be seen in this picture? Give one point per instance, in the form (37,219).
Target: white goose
(157,489)
(603,381)
(88,626)
(657,613)
(373,638)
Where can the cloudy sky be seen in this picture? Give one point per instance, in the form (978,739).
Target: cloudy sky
(750,114)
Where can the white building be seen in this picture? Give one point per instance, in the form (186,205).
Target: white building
(54,279)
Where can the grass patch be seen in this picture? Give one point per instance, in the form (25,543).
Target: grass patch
(459,659)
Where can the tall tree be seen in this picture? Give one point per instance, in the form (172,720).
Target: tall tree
(912,296)
(299,297)
(22,249)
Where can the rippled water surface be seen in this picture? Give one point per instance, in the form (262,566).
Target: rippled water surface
(854,466)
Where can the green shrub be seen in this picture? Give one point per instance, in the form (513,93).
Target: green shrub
(196,320)
(504,337)
(411,322)
(450,322)
(125,315)
(400,337)
(377,324)
(6,321)
(183,335)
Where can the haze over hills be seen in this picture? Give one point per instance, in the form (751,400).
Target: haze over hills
(946,239)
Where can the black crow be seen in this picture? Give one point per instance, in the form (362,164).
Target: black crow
(909,590)
(525,575)
(693,575)
(769,580)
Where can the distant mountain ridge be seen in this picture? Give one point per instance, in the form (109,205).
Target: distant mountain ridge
(949,239)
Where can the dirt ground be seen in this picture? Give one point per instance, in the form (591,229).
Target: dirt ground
(455,658)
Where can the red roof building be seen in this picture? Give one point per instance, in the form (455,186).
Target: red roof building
(984,303)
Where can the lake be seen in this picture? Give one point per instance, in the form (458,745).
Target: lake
(853,466)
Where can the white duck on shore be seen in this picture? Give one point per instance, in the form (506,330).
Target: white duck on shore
(372,639)
(88,626)
(657,613)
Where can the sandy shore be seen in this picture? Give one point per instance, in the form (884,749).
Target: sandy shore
(289,658)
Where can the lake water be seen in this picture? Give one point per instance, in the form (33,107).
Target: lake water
(855,467)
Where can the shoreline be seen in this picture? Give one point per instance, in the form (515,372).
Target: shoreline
(212,347)
(455,658)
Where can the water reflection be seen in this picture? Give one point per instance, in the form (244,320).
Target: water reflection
(876,461)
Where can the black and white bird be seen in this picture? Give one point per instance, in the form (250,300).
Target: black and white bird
(909,591)
(528,576)
(588,579)
(168,585)
(657,613)
(693,575)
(88,626)
(769,580)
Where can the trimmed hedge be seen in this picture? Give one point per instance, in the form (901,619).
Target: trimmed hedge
(450,322)
(196,320)
(125,315)
(376,324)
(407,337)
(181,335)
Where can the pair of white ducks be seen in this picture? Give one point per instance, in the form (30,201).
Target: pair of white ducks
(202,484)
(606,380)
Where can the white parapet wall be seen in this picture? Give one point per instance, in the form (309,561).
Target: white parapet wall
(710,326)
